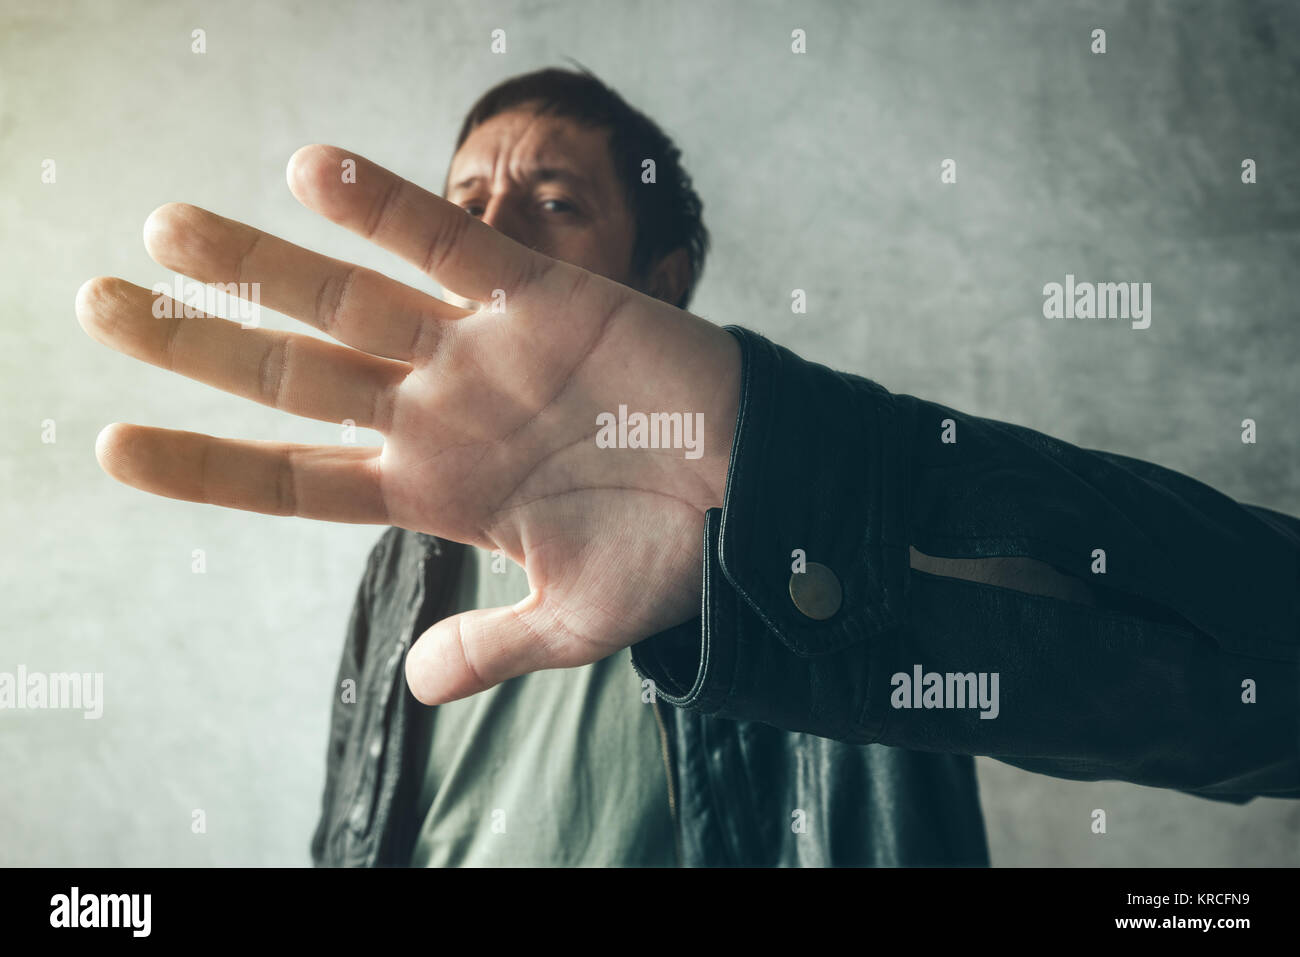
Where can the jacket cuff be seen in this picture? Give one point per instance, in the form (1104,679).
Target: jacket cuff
(814,471)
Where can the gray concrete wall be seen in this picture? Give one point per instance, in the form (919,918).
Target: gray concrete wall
(819,171)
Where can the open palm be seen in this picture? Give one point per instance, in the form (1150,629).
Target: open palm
(489,416)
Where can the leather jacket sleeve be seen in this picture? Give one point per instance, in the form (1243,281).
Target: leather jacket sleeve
(347,698)
(1180,673)
(343,711)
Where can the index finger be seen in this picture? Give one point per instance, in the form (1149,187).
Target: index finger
(464,255)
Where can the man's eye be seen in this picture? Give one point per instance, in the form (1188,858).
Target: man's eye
(557,206)
(474,209)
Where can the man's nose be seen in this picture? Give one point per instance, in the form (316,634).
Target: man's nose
(503,215)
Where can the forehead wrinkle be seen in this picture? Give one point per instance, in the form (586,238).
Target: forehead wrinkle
(494,149)
(537,151)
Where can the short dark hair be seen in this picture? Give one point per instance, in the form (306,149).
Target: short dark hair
(667,217)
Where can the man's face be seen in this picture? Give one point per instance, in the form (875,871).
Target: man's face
(549,183)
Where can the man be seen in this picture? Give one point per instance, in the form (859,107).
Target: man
(888,586)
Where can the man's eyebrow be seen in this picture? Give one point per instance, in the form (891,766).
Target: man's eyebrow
(466,183)
(547,174)
(543,174)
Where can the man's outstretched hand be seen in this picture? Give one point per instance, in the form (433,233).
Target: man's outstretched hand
(489,417)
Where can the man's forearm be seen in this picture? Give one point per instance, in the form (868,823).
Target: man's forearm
(1173,663)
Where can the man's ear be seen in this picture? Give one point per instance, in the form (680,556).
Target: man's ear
(669,277)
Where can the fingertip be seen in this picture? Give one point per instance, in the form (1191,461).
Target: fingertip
(436,669)
(160,228)
(110,446)
(293,169)
(91,302)
(416,677)
(307,169)
(87,293)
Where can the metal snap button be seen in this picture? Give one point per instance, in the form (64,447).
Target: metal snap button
(816,591)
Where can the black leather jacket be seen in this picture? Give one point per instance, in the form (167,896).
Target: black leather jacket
(784,747)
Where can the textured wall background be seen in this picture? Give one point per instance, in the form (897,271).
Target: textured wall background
(818,172)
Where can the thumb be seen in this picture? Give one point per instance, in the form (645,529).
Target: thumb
(476,650)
